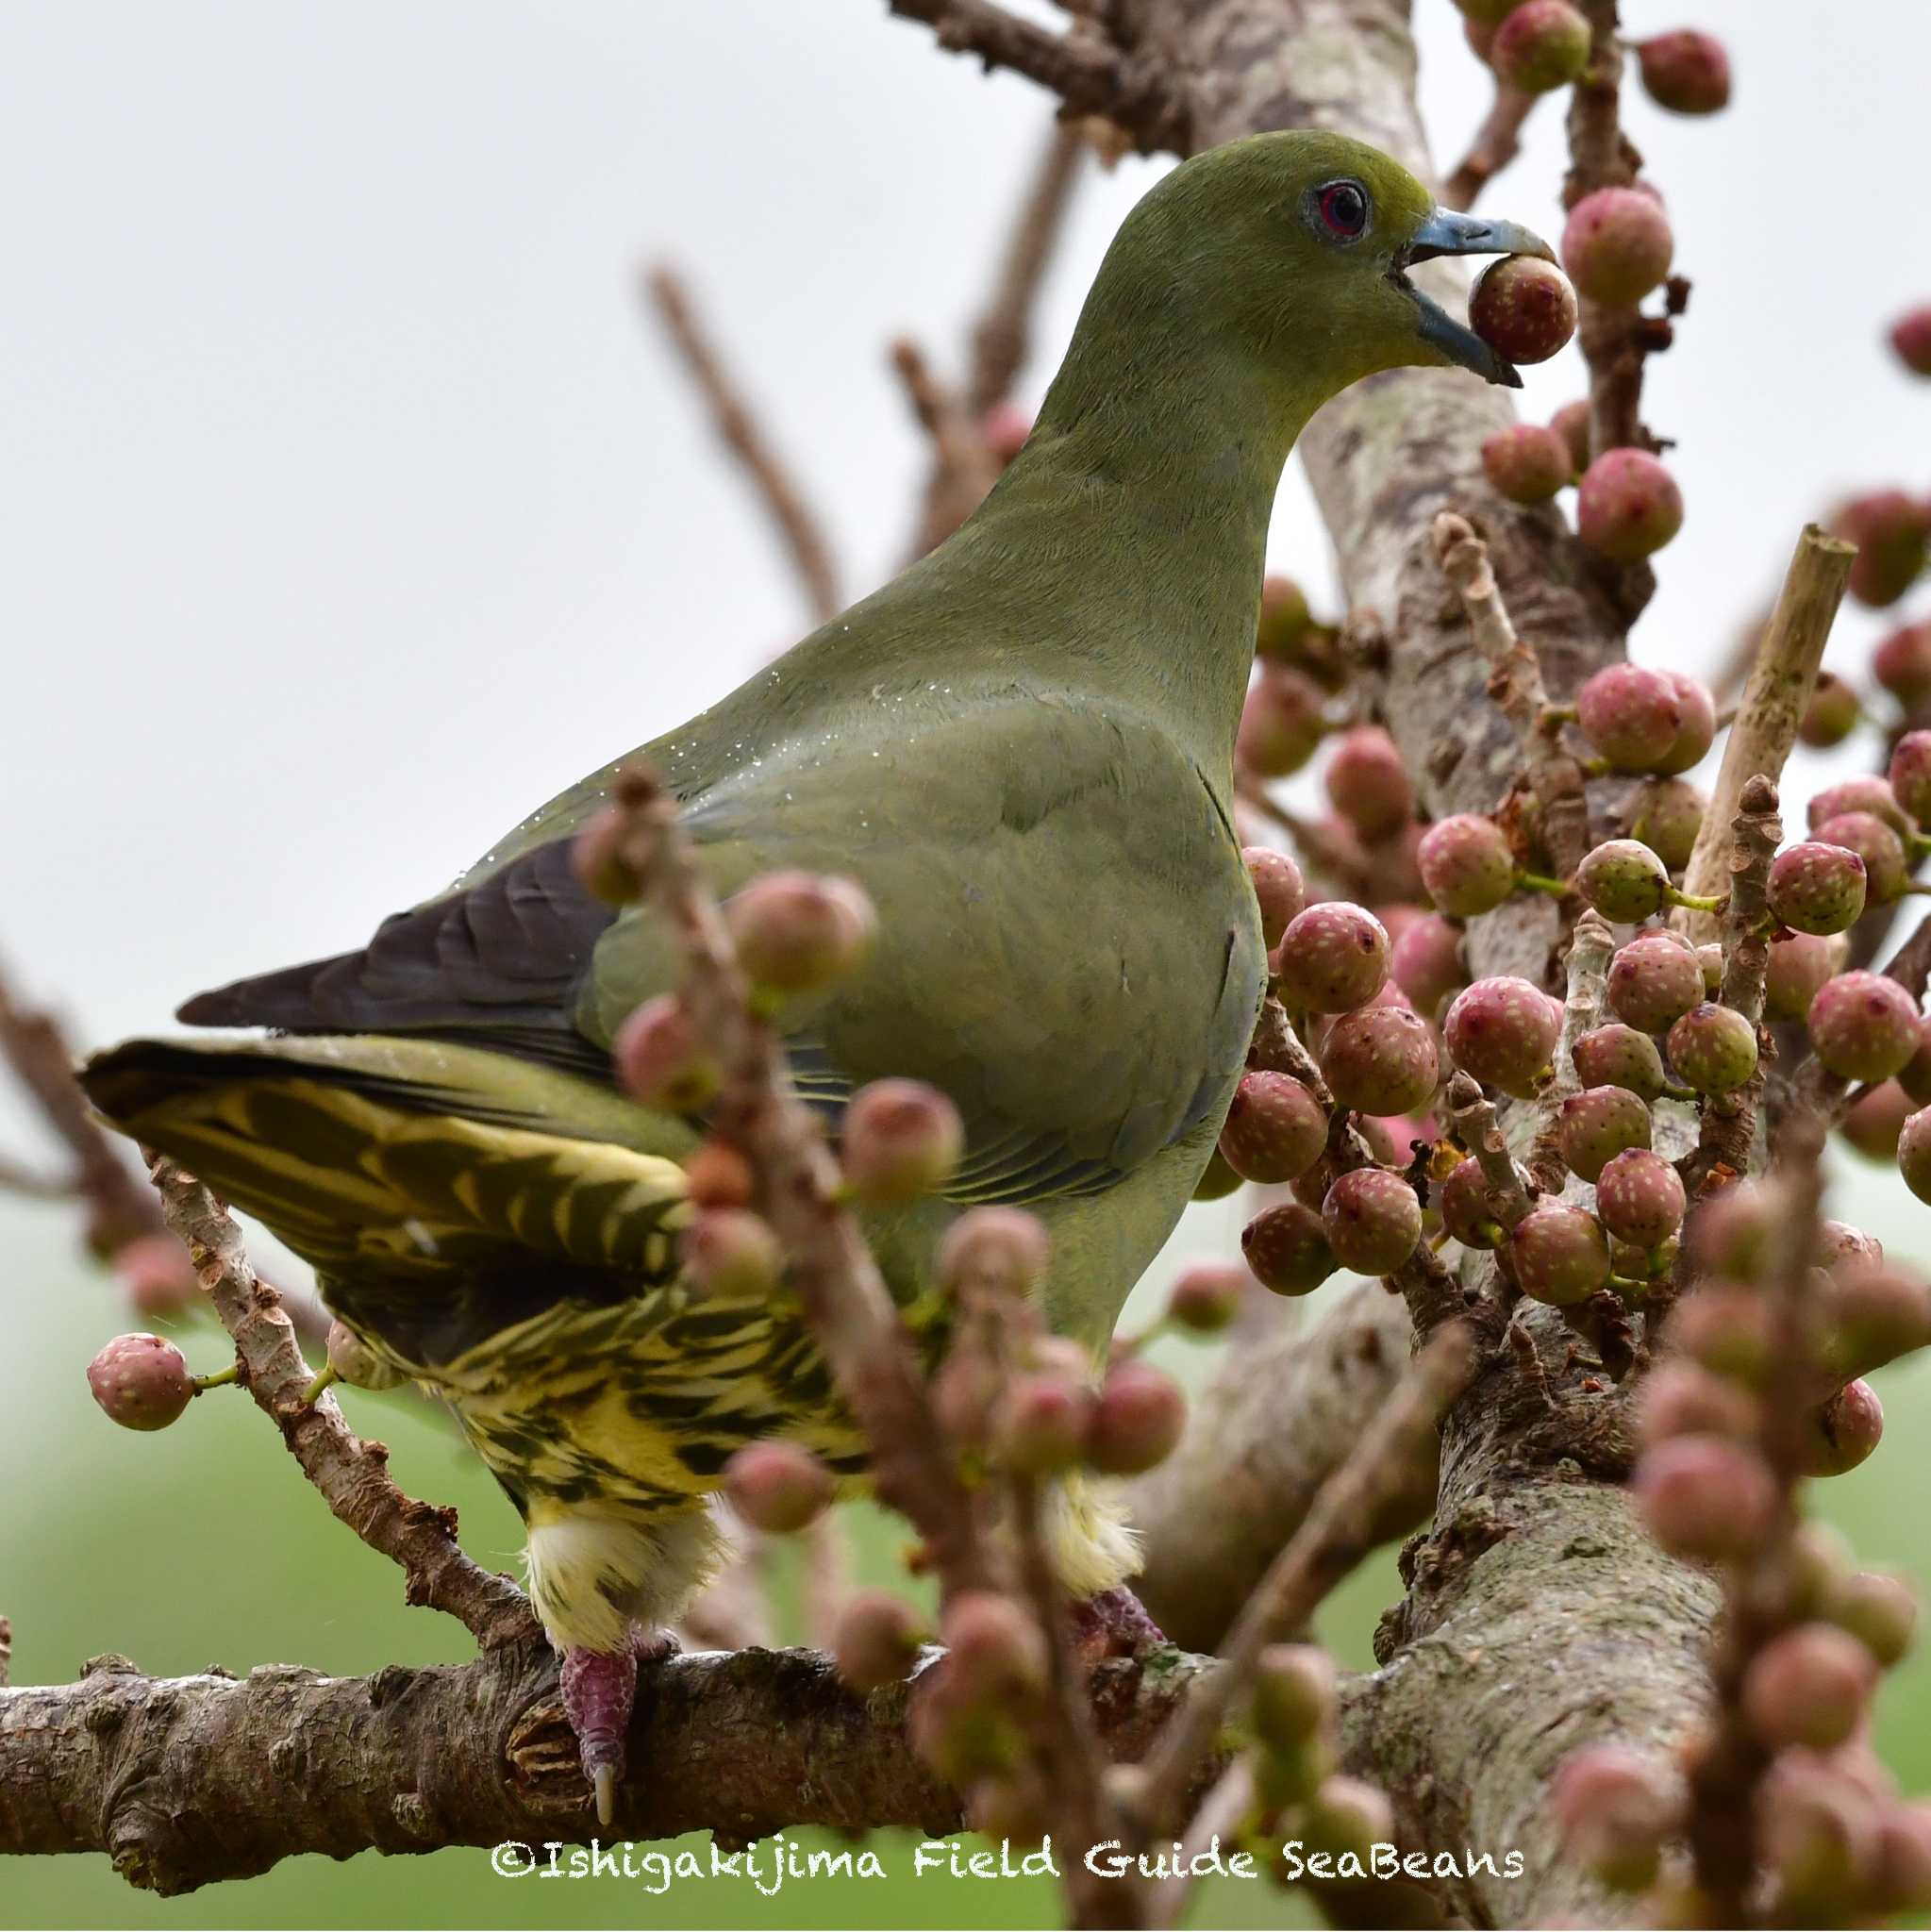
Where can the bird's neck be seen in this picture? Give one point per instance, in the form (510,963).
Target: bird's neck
(1126,544)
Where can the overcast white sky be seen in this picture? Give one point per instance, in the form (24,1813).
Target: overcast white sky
(348,509)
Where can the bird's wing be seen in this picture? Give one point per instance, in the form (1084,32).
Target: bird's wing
(1082,1001)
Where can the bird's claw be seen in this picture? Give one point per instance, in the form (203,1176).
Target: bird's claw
(599,1691)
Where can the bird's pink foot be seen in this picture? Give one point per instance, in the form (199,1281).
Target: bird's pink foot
(599,1689)
(1114,1624)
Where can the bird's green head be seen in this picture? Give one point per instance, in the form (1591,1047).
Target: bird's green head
(1289,252)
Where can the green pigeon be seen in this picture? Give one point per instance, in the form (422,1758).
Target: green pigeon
(1021,747)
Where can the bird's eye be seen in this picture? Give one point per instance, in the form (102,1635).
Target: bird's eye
(1343,208)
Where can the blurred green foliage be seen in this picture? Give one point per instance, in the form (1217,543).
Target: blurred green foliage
(203,1545)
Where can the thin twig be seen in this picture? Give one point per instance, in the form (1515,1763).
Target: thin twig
(831,1269)
(1497,143)
(1515,684)
(120,1209)
(1091,76)
(351,1474)
(1219,1815)
(1781,680)
(1587,972)
(963,469)
(1001,337)
(16,1177)
(804,541)
(1329,1543)
(1509,1190)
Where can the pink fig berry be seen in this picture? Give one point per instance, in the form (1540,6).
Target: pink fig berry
(1868,793)
(1910,336)
(1206,1297)
(732,1254)
(1275,1129)
(1347,1818)
(1616,1807)
(1653,981)
(141,1381)
(1004,429)
(1283,622)
(1914,1153)
(1137,1419)
(1333,957)
(1800,962)
(1372,1221)
(1713,1048)
(777,1486)
(1915,1075)
(1902,664)
(1667,815)
(1902,1880)
(1845,1431)
(1710,958)
(797,933)
(993,1250)
(1278,888)
(1368,783)
(1892,531)
(1873,1120)
(716,1176)
(1729,1328)
(1809,1686)
(901,1138)
(1598,1124)
(876,1641)
(1543,44)
(1631,714)
(156,1274)
(1521,306)
(995,1652)
(1880,1609)
(1465,1211)
(1628,506)
(1624,881)
(1041,1421)
(1886,867)
(1863,1026)
(1698,730)
(357,1363)
(1871,1315)
(1294,1694)
(1572,424)
(1501,1032)
(1910,775)
(1817,888)
(1832,714)
(597,857)
(1619,1056)
(1617,246)
(1380,1060)
(661,1061)
(1733,1231)
(1640,1198)
(1559,1254)
(1281,722)
(1426,962)
(1526,463)
(1705,1496)
(1687,71)
(1466,865)
(1681,1398)
(1839,1246)
(1285,1249)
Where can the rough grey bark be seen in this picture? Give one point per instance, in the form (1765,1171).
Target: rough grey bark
(1276,1422)
(183,1781)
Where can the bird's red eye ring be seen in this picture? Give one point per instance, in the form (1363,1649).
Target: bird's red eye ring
(1343,207)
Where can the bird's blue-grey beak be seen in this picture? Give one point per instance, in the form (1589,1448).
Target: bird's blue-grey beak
(1447,232)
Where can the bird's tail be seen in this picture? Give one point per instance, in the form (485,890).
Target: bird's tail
(403,1157)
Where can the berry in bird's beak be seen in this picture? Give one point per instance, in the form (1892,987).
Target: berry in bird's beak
(1448,232)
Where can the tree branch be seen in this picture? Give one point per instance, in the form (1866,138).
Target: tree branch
(1781,680)
(1088,74)
(351,1474)
(804,541)
(1497,143)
